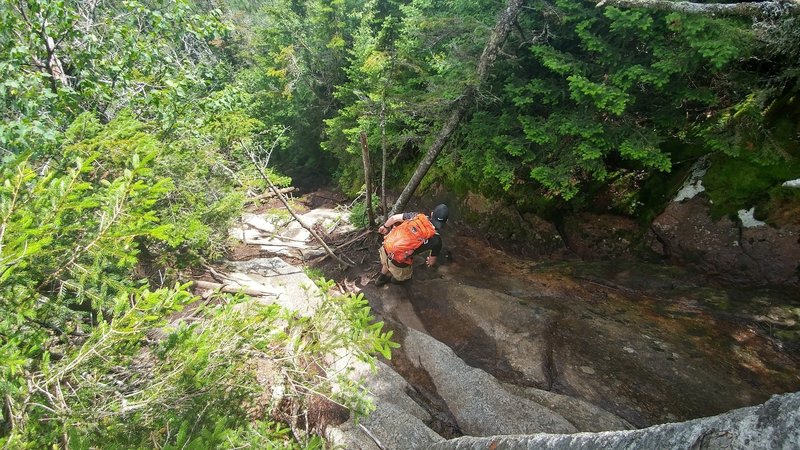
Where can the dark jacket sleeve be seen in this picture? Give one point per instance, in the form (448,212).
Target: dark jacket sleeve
(434,244)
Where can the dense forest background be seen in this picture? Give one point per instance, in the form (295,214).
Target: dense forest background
(130,130)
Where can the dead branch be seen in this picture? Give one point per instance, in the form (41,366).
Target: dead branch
(285,202)
(272,235)
(339,247)
(222,278)
(270,194)
(746,9)
(233,289)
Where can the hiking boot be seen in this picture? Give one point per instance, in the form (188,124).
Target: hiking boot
(382,279)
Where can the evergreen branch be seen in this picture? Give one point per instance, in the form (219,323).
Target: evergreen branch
(493,46)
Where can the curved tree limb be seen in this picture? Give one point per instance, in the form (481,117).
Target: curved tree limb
(745,9)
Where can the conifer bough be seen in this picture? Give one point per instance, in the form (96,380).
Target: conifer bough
(499,34)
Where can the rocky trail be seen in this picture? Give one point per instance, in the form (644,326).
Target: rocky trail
(493,344)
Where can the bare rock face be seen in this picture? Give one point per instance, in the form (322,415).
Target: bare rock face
(593,236)
(506,226)
(397,422)
(726,250)
(774,252)
(774,424)
(487,408)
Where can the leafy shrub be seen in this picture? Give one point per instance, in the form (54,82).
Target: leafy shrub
(80,348)
(90,354)
(358,212)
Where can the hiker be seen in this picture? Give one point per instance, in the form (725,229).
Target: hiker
(406,235)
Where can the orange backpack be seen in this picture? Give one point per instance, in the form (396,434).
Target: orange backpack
(401,242)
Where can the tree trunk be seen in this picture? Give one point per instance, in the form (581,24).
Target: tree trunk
(367,178)
(752,9)
(461,106)
(383,159)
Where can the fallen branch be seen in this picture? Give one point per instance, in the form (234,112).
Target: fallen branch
(746,9)
(338,247)
(285,202)
(274,235)
(270,194)
(299,246)
(372,436)
(232,289)
(222,278)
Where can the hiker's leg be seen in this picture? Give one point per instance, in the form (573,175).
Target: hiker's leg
(384,261)
(401,273)
(384,276)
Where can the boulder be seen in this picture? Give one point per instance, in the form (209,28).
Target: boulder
(724,249)
(774,424)
(487,408)
(584,415)
(773,252)
(397,422)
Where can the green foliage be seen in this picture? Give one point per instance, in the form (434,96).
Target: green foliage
(196,386)
(588,93)
(200,203)
(305,44)
(720,41)
(125,134)
(62,58)
(124,158)
(407,64)
(734,184)
(359,217)
(579,94)
(71,239)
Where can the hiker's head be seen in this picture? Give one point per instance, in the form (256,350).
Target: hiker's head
(439,216)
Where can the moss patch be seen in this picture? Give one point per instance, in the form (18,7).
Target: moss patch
(783,207)
(734,184)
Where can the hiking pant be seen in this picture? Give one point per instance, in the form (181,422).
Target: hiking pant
(398,273)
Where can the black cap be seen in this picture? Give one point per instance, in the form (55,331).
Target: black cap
(439,216)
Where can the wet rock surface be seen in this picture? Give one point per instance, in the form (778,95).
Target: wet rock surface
(775,424)
(648,344)
(495,344)
(600,236)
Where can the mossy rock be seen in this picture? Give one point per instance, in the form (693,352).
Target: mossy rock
(735,184)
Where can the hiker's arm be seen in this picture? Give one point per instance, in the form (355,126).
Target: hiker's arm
(390,222)
(436,248)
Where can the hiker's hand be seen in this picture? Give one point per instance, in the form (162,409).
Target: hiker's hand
(383,230)
(430,261)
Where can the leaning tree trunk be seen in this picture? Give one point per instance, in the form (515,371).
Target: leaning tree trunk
(461,106)
(367,178)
